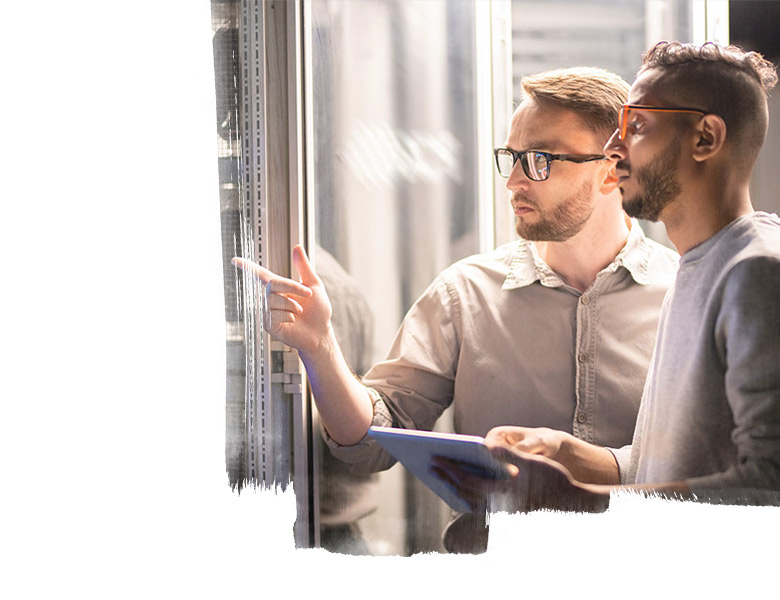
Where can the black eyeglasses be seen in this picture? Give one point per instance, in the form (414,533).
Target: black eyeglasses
(536,164)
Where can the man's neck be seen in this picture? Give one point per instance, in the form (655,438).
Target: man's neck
(694,219)
(579,259)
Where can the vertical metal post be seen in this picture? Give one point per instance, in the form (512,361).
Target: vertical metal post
(305,217)
(501,94)
(276,188)
(273,197)
(260,466)
(303,418)
(273,143)
(484,91)
(494,109)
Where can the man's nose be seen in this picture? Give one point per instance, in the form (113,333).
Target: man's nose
(517,178)
(615,148)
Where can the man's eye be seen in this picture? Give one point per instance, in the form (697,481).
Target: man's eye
(636,125)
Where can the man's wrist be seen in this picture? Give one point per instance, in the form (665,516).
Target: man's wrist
(323,354)
(586,462)
(566,449)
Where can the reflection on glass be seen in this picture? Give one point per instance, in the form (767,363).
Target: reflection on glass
(346,497)
(395,187)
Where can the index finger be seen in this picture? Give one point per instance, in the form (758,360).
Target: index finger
(266,276)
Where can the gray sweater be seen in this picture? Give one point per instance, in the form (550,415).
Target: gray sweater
(710,412)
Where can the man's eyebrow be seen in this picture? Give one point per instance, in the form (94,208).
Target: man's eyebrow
(537,145)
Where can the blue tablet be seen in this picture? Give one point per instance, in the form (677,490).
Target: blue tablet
(414,450)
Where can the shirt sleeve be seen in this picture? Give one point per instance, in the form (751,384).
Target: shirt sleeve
(366,456)
(415,383)
(747,335)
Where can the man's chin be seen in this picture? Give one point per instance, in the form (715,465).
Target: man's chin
(525,230)
(643,215)
(542,233)
(521,226)
(635,208)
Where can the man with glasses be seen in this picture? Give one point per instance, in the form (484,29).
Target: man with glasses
(709,423)
(555,329)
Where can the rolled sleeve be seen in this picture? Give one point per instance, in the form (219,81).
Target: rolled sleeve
(367,456)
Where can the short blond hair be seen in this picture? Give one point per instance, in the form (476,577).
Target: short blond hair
(594,94)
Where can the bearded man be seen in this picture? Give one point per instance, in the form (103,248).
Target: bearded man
(709,424)
(554,330)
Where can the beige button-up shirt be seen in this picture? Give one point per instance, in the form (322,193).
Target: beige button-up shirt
(506,341)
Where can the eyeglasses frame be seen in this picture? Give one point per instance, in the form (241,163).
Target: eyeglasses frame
(624,110)
(517,156)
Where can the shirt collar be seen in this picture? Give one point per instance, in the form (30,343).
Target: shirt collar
(527,266)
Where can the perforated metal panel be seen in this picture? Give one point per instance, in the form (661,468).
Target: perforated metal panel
(258,68)
(240,93)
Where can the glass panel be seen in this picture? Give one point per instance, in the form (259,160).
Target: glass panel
(612,34)
(396,201)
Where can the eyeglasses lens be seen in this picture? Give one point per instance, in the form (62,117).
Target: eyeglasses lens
(623,121)
(536,166)
(504,161)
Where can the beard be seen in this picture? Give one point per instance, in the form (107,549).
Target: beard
(658,186)
(560,223)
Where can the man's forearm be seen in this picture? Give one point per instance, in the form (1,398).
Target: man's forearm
(597,466)
(343,403)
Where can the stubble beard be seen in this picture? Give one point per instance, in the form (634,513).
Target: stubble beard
(658,186)
(562,222)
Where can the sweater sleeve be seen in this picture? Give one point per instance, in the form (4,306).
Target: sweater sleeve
(622,458)
(747,335)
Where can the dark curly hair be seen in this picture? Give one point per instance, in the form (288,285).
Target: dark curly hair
(725,80)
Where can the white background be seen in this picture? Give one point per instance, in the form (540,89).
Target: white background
(113,399)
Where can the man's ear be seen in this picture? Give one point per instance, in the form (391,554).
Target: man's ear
(610,181)
(710,137)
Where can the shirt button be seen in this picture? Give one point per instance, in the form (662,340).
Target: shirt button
(583,357)
(585,300)
(581,417)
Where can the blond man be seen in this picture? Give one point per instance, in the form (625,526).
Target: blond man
(555,329)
